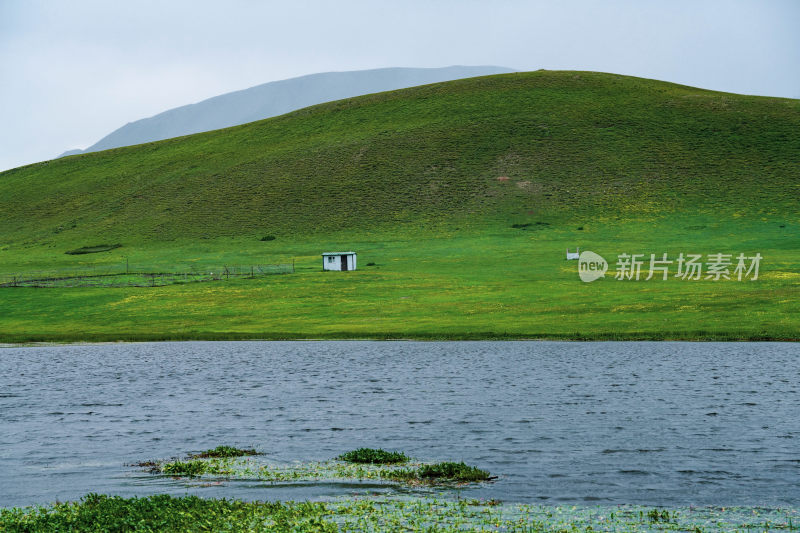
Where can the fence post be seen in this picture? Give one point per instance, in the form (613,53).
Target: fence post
(292,265)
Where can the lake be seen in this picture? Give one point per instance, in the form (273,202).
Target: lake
(654,423)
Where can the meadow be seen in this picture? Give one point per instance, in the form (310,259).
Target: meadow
(505,283)
(464,195)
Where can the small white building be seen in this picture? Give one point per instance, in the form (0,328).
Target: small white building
(339,261)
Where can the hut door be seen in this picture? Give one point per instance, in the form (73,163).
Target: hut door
(344,262)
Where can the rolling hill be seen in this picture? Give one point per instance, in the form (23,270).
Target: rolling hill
(463,195)
(573,145)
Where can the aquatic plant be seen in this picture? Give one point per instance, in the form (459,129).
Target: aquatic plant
(654,515)
(161,512)
(491,503)
(224,451)
(364,463)
(373,456)
(453,471)
(96,513)
(186,468)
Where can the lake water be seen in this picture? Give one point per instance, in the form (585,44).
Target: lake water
(666,423)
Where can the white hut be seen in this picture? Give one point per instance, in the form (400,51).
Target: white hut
(339,261)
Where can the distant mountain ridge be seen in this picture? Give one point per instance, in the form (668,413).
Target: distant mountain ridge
(276,98)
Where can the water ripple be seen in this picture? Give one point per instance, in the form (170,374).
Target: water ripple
(651,423)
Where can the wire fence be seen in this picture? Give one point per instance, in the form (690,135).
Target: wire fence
(100,276)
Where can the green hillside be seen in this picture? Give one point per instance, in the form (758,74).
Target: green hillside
(464,194)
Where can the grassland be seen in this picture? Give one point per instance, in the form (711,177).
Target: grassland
(463,194)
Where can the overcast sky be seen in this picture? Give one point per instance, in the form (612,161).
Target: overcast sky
(73,71)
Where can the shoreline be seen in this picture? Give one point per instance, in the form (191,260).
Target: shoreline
(15,341)
(391,513)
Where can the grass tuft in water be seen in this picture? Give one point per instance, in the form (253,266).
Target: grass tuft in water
(452,471)
(373,456)
(224,451)
(489,503)
(185,468)
(663,515)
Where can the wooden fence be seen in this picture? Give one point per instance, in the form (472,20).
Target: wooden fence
(101,276)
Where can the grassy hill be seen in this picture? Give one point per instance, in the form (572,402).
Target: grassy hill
(465,194)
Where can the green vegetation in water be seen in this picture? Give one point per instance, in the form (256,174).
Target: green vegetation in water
(224,451)
(187,468)
(660,515)
(373,456)
(93,249)
(101,513)
(96,513)
(491,502)
(453,471)
(444,473)
(369,464)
